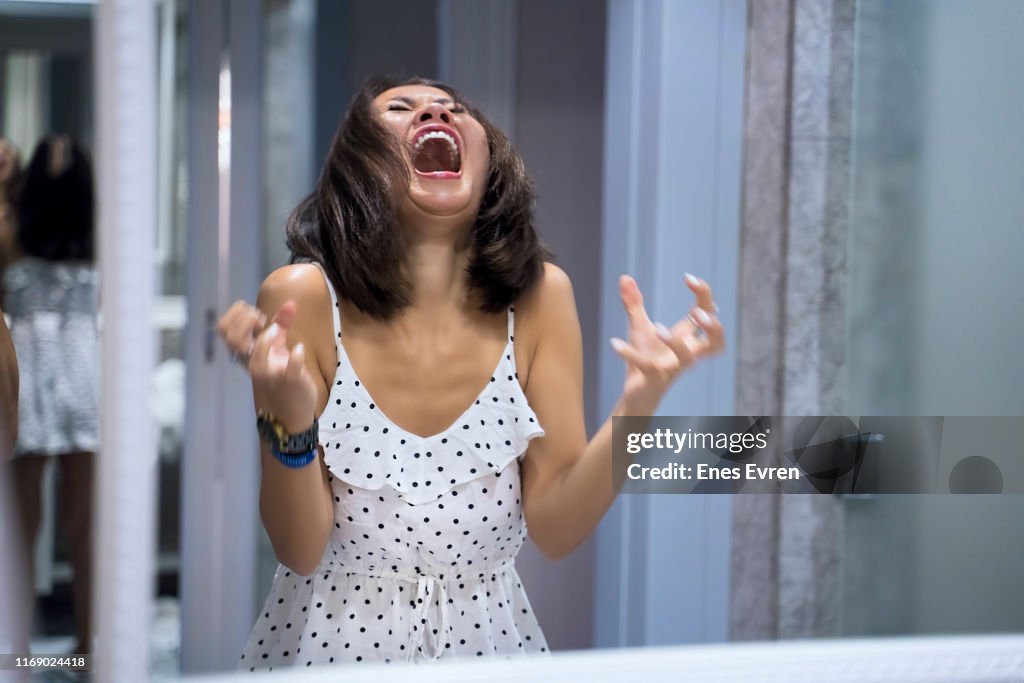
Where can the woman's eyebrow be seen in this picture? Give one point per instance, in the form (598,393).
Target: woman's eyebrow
(411,102)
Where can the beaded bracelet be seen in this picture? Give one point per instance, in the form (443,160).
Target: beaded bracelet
(294,459)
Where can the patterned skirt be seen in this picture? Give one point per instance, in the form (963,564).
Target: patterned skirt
(52,308)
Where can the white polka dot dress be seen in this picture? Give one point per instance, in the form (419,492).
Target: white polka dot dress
(420,563)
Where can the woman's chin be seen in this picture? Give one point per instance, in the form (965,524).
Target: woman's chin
(442,201)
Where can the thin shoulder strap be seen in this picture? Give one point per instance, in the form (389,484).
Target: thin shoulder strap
(334,304)
(511,323)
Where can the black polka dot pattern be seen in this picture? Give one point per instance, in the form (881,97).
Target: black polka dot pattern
(492,432)
(420,562)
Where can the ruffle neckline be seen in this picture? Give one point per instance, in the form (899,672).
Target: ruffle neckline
(363,448)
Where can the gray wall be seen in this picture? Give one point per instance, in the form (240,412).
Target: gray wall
(355,40)
(289,131)
(559,133)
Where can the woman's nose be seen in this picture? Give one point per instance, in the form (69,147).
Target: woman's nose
(437,111)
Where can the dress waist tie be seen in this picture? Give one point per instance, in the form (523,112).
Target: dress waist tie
(428,589)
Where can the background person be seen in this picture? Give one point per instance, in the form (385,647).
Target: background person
(50,293)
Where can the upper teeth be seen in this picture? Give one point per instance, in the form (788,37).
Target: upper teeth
(453,149)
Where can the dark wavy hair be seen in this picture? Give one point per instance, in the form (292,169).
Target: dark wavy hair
(348,223)
(56,204)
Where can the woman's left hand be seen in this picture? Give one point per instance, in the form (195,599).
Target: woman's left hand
(655,355)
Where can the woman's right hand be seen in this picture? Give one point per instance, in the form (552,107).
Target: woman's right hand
(281,382)
(239,327)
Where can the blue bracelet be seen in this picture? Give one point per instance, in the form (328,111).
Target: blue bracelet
(295,459)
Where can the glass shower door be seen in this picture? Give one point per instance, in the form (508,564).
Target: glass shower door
(935,321)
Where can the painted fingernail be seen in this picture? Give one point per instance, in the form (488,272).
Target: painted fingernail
(716,307)
(617,343)
(693,280)
(662,332)
(703,316)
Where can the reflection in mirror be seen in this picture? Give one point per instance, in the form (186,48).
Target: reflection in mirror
(354,571)
(48,293)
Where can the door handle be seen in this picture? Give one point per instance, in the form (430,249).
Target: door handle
(211,334)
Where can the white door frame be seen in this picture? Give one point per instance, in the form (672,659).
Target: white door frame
(220,475)
(126,466)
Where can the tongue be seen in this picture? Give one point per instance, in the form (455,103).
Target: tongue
(434,155)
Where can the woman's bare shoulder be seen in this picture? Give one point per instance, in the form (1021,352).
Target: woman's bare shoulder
(546,316)
(302,283)
(546,312)
(551,296)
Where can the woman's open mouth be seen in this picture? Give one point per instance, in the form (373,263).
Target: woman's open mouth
(435,153)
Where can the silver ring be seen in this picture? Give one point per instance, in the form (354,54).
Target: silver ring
(698,330)
(244,358)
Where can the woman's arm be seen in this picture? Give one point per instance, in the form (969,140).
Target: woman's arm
(8,392)
(567,482)
(295,503)
(8,244)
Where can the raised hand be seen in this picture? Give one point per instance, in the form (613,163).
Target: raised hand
(655,355)
(281,382)
(239,327)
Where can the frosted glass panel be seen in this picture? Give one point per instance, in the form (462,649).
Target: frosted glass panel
(935,320)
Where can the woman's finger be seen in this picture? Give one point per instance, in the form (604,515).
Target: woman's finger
(285,315)
(243,335)
(239,327)
(633,301)
(265,344)
(296,362)
(687,328)
(677,342)
(713,340)
(229,321)
(631,355)
(702,290)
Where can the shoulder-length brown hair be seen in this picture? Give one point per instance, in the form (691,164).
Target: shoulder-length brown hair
(348,223)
